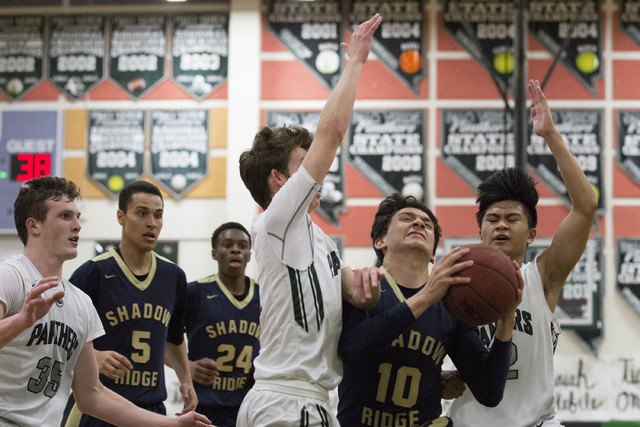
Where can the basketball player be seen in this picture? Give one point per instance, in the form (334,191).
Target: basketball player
(301,275)
(47,324)
(140,298)
(222,321)
(507,219)
(393,353)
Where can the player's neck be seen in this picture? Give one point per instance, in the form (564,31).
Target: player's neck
(410,272)
(46,264)
(235,284)
(139,262)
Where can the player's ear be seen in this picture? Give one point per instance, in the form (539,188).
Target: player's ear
(532,236)
(33,226)
(214,254)
(379,243)
(120,215)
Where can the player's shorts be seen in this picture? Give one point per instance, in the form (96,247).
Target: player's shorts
(273,408)
(553,422)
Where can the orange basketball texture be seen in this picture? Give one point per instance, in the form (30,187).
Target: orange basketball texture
(491,292)
(410,61)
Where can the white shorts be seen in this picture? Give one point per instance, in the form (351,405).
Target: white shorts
(553,422)
(262,408)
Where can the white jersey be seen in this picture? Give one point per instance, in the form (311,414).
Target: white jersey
(300,292)
(37,366)
(528,395)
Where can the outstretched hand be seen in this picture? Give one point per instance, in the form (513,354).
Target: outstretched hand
(540,112)
(360,43)
(192,419)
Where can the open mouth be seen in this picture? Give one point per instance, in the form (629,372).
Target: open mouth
(502,238)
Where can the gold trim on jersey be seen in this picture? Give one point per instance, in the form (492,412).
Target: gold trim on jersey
(142,285)
(394,285)
(238,304)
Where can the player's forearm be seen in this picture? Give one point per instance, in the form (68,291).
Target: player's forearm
(336,114)
(11,327)
(504,329)
(578,187)
(176,355)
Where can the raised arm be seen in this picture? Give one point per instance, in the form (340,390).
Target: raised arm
(569,242)
(335,116)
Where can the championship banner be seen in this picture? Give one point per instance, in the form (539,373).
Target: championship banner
(574,28)
(312,31)
(579,306)
(200,52)
(136,57)
(582,132)
(629,18)
(628,149)
(388,148)
(26,152)
(333,200)
(399,43)
(76,53)
(628,275)
(115,148)
(179,149)
(22,41)
(477,143)
(485,29)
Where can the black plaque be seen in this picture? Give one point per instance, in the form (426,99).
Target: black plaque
(137,52)
(628,149)
(200,52)
(76,52)
(312,31)
(179,149)
(22,41)
(388,148)
(115,148)
(629,18)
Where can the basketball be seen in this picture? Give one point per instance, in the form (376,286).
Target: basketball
(491,292)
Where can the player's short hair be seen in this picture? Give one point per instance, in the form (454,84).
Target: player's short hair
(126,194)
(32,197)
(388,208)
(508,184)
(272,148)
(228,226)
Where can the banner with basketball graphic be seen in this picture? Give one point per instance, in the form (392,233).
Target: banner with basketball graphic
(582,132)
(200,51)
(399,42)
(333,200)
(22,41)
(628,147)
(573,31)
(477,143)
(388,148)
(629,18)
(312,31)
(137,52)
(115,148)
(76,52)
(628,271)
(179,149)
(485,29)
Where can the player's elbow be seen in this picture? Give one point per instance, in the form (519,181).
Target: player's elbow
(492,399)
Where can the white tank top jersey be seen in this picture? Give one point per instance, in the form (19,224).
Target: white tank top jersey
(528,395)
(37,366)
(300,292)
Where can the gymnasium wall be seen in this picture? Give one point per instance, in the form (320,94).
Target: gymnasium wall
(265,76)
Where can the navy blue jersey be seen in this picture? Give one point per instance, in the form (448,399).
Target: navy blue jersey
(222,328)
(392,361)
(139,317)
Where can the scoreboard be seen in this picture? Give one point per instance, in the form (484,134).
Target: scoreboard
(30,147)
